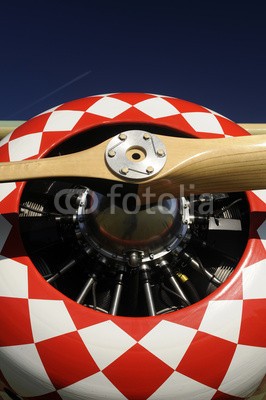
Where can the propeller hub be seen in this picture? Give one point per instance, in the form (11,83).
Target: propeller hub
(135,155)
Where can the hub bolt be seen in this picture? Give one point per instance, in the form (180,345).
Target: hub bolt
(146,136)
(124,170)
(111,153)
(122,136)
(149,170)
(160,153)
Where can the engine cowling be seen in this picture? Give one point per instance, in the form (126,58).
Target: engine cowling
(101,297)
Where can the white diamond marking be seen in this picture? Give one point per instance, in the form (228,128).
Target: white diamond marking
(222,318)
(24,371)
(13,278)
(175,342)
(25,146)
(6,189)
(254,278)
(245,372)
(63,120)
(106,342)
(203,122)
(109,107)
(49,318)
(157,108)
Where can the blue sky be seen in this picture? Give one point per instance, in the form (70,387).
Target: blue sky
(208,52)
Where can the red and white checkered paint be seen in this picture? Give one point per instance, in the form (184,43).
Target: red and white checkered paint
(53,348)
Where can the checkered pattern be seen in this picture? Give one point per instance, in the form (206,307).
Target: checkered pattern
(38,134)
(54,349)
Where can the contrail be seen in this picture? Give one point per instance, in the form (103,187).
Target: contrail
(51,93)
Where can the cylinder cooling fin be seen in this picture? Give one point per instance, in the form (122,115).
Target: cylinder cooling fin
(161,293)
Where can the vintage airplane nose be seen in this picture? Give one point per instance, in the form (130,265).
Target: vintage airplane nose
(81,271)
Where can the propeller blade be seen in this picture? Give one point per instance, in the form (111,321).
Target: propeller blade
(87,163)
(212,165)
(200,166)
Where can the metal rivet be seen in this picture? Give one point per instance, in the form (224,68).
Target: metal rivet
(160,153)
(111,153)
(146,136)
(124,170)
(149,169)
(122,136)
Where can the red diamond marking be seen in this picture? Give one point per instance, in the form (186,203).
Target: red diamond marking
(66,359)
(15,317)
(4,153)
(253,327)
(257,203)
(230,127)
(137,373)
(207,359)
(191,317)
(88,121)
(132,98)
(33,125)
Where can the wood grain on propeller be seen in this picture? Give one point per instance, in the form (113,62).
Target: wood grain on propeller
(210,165)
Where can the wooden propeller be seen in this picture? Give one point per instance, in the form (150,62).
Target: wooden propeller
(201,166)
